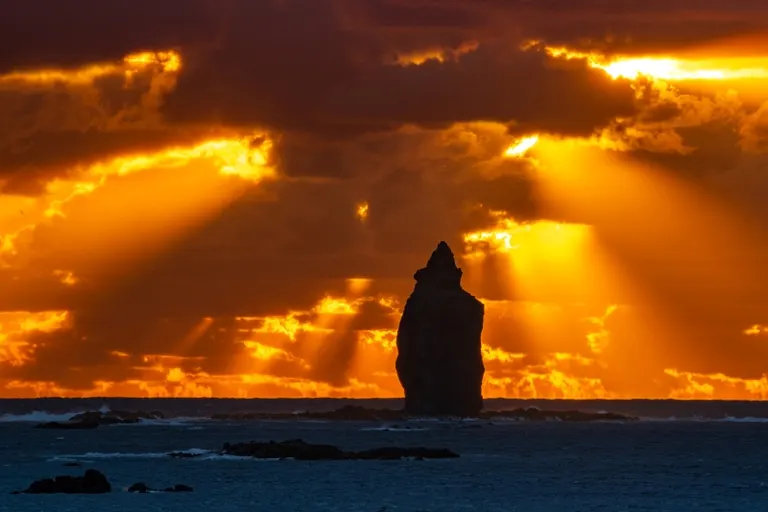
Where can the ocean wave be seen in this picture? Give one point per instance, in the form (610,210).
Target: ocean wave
(35,417)
(704,419)
(189,454)
(394,428)
(167,422)
(745,420)
(45,416)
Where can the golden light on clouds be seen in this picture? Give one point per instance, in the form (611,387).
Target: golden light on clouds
(756,330)
(16,328)
(66,277)
(167,61)
(362,211)
(521,147)
(665,67)
(423,56)
(541,260)
(606,261)
(244,158)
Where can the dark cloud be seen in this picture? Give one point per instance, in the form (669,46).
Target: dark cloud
(46,33)
(328,81)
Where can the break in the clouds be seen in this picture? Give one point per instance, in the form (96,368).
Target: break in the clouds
(231,197)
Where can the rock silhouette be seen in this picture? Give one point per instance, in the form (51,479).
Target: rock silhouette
(92,482)
(439,361)
(142,488)
(92,419)
(300,450)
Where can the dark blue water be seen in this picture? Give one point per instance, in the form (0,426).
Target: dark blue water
(504,466)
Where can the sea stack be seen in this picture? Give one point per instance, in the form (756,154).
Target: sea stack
(439,359)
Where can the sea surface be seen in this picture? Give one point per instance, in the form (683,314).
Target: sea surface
(681,456)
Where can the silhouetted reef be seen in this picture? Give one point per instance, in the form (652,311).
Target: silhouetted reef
(357,413)
(143,488)
(298,449)
(92,419)
(439,357)
(92,482)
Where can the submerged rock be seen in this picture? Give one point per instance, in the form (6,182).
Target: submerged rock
(92,482)
(301,450)
(439,361)
(142,488)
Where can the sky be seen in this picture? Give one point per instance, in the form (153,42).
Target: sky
(230,197)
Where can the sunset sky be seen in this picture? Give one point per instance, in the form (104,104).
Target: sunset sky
(230,197)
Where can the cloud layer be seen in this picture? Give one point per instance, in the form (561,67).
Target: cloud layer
(179,195)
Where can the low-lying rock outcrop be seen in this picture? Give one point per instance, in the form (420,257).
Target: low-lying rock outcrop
(92,482)
(534,414)
(300,450)
(142,488)
(93,419)
(357,413)
(439,357)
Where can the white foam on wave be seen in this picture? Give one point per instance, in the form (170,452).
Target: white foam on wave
(747,419)
(700,419)
(164,422)
(394,428)
(36,417)
(45,416)
(193,453)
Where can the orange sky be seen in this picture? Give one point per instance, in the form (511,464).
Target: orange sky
(233,202)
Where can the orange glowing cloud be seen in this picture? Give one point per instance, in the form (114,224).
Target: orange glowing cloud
(15,327)
(245,158)
(420,57)
(664,67)
(167,61)
(701,386)
(522,146)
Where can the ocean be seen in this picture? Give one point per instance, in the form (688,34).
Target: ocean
(680,456)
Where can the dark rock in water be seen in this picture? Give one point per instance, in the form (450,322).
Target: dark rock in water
(139,487)
(396,453)
(439,361)
(534,414)
(178,488)
(92,419)
(71,464)
(292,449)
(357,413)
(93,482)
(300,450)
(117,417)
(142,488)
